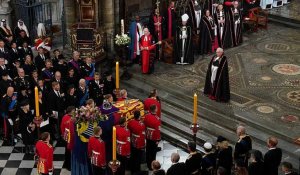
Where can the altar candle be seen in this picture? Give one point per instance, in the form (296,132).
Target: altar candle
(114,143)
(36,97)
(122,26)
(117,76)
(195,109)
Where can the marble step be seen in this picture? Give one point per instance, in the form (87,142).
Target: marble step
(181,94)
(212,127)
(288,22)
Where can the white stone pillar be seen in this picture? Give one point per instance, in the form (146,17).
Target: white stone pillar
(5,12)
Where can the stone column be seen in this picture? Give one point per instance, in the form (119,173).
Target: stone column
(5,12)
(108,21)
(70,11)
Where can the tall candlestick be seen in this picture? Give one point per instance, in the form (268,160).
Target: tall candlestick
(36,97)
(114,143)
(195,109)
(117,76)
(122,26)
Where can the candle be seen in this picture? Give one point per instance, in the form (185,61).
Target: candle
(114,142)
(122,26)
(117,76)
(36,97)
(195,109)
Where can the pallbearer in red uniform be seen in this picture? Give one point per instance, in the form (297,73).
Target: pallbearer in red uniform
(67,130)
(123,145)
(153,99)
(146,45)
(96,151)
(44,152)
(137,130)
(152,123)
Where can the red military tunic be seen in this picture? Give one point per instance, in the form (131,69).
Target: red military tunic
(137,130)
(146,43)
(96,151)
(44,151)
(67,130)
(152,101)
(123,140)
(152,123)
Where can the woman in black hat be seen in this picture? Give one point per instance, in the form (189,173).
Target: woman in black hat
(224,154)
(27,127)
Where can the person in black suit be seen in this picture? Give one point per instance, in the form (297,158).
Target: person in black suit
(208,164)
(71,79)
(193,162)
(3,67)
(243,145)
(178,168)
(157,168)
(82,92)
(96,88)
(4,83)
(287,168)
(256,164)
(22,38)
(61,66)
(25,50)
(58,78)
(40,59)
(14,53)
(56,108)
(48,73)
(273,157)
(4,52)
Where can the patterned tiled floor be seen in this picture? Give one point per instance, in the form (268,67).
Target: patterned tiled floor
(288,11)
(14,162)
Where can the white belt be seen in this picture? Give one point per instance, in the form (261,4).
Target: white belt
(135,135)
(96,153)
(120,142)
(151,129)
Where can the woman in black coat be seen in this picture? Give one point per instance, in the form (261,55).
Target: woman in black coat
(256,166)
(224,155)
(27,127)
(71,97)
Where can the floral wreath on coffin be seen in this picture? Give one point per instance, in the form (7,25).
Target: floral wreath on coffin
(86,119)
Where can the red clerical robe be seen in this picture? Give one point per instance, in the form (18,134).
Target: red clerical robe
(96,151)
(152,123)
(137,129)
(146,44)
(123,140)
(152,101)
(44,151)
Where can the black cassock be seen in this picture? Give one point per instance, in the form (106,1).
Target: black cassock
(224,32)
(187,51)
(219,90)
(235,18)
(207,35)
